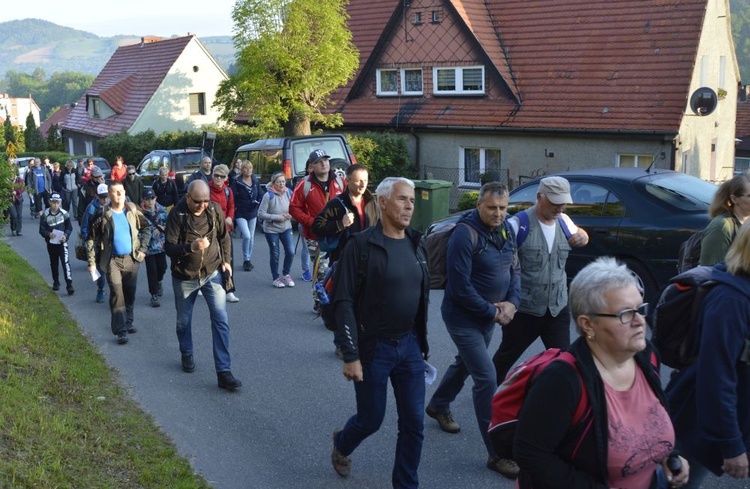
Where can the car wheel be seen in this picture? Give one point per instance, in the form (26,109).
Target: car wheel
(339,166)
(645,281)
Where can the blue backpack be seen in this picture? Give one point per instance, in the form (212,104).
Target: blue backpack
(523,227)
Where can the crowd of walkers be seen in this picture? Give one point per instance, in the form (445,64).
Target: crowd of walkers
(600,420)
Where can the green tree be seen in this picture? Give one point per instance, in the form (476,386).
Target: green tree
(8,131)
(54,139)
(291,55)
(32,136)
(61,88)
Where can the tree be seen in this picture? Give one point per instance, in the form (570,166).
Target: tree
(8,131)
(291,55)
(34,139)
(54,139)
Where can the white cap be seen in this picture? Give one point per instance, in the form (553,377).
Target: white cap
(102,190)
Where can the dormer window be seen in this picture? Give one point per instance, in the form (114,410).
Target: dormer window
(459,80)
(403,81)
(96,108)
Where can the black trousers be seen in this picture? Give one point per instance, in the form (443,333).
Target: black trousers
(41,201)
(58,254)
(156,267)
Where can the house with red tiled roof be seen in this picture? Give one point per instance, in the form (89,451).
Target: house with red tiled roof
(55,119)
(158,85)
(528,87)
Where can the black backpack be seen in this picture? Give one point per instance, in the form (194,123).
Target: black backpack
(436,244)
(690,252)
(676,321)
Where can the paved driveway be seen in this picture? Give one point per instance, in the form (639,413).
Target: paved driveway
(276,431)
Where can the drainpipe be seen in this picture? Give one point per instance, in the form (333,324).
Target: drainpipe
(416,152)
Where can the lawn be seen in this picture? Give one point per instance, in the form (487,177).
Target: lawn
(65,421)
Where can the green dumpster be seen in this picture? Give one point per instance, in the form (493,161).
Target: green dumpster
(431,202)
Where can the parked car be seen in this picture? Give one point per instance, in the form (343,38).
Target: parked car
(102,163)
(290,155)
(181,163)
(638,216)
(23,164)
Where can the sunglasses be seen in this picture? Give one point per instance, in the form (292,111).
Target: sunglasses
(220,176)
(199,202)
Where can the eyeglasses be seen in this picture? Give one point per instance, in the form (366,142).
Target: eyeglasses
(220,176)
(626,316)
(199,202)
(131,174)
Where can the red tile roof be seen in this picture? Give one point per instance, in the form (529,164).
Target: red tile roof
(126,84)
(580,65)
(60,115)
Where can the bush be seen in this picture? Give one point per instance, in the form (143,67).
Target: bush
(384,155)
(468,200)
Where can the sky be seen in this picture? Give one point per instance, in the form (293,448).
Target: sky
(135,17)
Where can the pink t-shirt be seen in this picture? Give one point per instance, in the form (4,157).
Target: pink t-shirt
(640,434)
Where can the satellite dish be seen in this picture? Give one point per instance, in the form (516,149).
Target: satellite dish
(703,101)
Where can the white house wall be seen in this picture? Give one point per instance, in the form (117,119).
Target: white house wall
(169,108)
(705,145)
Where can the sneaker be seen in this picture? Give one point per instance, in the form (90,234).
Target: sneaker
(504,466)
(227,381)
(70,289)
(122,338)
(246,265)
(99,296)
(232,298)
(316,307)
(154,301)
(307,276)
(278,283)
(250,264)
(56,286)
(341,464)
(160,290)
(188,364)
(132,329)
(445,420)
(288,281)
(18,233)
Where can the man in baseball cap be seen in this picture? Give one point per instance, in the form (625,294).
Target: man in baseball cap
(316,155)
(96,172)
(102,190)
(556,189)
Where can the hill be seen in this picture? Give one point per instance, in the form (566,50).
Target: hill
(32,43)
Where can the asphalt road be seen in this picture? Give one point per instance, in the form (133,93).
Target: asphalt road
(275,432)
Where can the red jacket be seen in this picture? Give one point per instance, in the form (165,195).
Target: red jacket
(304,209)
(224,197)
(118,173)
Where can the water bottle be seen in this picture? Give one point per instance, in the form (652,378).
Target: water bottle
(322,294)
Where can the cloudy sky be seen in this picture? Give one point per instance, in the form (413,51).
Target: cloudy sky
(134,17)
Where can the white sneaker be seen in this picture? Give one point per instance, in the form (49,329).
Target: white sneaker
(278,283)
(232,298)
(288,281)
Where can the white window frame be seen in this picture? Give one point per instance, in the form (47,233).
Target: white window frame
(417,18)
(379,80)
(636,160)
(400,82)
(459,71)
(482,164)
(404,91)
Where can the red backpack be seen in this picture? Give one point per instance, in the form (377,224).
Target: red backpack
(508,399)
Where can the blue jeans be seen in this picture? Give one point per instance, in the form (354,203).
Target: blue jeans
(305,255)
(287,241)
(473,359)
(401,361)
(185,292)
(247,231)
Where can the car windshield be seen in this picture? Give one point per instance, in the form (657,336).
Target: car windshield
(682,191)
(187,159)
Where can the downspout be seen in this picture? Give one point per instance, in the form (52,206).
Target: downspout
(416,153)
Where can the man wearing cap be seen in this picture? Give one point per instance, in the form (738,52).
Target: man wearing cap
(203,173)
(91,210)
(156,259)
(133,185)
(545,236)
(309,197)
(55,228)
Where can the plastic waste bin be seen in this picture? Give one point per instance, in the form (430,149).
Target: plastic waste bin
(431,202)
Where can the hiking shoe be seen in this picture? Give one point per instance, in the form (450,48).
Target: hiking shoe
(70,289)
(18,233)
(246,265)
(154,301)
(232,298)
(132,329)
(445,420)
(307,276)
(341,464)
(316,307)
(188,364)
(504,466)
(122,338)
(288,281)
(227,381)
(160,290)
(99,296)
(56,286)
(278,283)
(252,267)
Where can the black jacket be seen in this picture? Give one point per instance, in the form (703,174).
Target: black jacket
(166,193)
(192,265)
(358,312)
(329,221)
(546,447)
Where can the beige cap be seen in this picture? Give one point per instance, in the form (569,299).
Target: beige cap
(556,189)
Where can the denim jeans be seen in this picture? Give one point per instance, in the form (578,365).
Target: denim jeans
(473,359)
(304,256)
(401,361)
(122,277)
(185,292)
(247,231)
(287,241)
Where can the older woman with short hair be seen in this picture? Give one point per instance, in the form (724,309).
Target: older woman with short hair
(625,436)
(277,226)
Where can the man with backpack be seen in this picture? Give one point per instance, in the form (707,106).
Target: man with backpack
(544,235)
(483,287)
(381,304)
(310,196)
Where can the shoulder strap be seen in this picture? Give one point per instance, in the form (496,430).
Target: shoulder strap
(564,227)
(523,228)
(306,186)
(473,233)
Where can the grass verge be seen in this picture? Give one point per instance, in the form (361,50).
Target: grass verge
(64,419)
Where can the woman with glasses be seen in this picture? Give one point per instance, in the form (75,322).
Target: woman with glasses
(625,435)
(224,197)
(277,226)
(729,209)
(710,400)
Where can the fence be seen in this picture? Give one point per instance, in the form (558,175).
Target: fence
(452,175)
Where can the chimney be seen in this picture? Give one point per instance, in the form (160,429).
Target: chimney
(150,39)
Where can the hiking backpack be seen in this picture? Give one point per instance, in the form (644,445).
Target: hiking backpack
(523,227)
(690,252)
(676,323)
(436,244)
(510,395)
